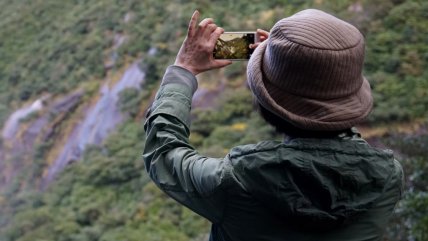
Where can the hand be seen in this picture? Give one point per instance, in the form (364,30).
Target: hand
(262,35)
(196,52)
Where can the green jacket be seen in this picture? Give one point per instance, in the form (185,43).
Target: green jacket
(304,189)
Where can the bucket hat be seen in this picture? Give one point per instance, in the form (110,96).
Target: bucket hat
(309,72)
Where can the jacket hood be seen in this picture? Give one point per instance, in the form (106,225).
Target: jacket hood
(315,183)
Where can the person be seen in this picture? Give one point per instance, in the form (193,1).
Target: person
(323,181)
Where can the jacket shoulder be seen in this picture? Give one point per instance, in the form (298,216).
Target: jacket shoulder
(262,146)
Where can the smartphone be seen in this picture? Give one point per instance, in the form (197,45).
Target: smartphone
(234,45)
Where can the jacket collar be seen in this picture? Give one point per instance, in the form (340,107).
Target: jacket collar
(349,134)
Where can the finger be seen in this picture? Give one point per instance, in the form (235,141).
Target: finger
(255,45)
(262,33)
(205,22)
(214,36)
(192,24)
(209,30)
(211,27)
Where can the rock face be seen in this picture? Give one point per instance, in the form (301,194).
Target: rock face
(12,124)
(98,122)
(44,120)
(20,136)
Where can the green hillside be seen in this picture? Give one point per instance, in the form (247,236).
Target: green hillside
(59,48)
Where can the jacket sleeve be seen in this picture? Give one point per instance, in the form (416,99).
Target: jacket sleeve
(173,164)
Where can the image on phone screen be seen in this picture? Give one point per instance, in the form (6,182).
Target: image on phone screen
(234,46)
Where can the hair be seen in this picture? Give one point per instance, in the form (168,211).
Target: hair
(285,127)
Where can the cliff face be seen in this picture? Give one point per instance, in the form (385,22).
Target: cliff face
(62,127)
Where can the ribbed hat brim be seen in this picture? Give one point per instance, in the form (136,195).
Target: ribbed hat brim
(303,112)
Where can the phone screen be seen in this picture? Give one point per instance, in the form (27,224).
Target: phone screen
(234,46)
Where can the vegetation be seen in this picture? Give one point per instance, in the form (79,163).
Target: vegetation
(411,220)
(56,47)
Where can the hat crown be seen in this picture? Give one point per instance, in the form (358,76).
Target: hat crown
(316,29)
(309,72)
(315,55)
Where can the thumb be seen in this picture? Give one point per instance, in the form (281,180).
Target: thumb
(221,63)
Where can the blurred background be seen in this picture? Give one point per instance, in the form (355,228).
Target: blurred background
(76,77)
